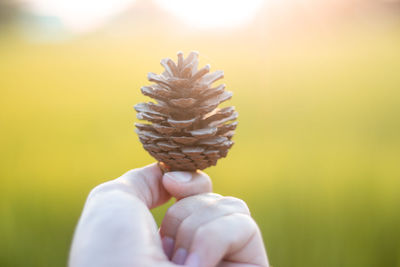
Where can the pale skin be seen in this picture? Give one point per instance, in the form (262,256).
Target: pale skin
(201,229)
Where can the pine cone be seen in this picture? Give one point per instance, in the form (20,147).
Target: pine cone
(187,131)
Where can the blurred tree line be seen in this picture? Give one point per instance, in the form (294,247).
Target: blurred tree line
(8,11)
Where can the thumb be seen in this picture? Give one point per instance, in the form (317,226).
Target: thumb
(146,183)
(180,184)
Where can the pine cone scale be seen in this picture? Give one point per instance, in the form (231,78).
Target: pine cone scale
(186,130)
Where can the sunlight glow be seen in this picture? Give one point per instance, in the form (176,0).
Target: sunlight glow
(87,15)
(213,13)
(80,15)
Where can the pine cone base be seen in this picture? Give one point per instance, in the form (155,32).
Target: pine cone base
(186,130)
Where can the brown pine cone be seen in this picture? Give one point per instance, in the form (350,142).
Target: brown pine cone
(187,131)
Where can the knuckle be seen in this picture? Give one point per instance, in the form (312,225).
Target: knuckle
(213,195)
(110,186)
(237,203)
(208,197)
(132,173)
(248,221)
(172,211)
(200,198)
(186,228)
(101,188)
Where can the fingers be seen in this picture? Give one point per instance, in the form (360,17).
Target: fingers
(223,238)
(154,189)
(222,207)
(207,228)
(183,184)
(181,210)
(146,184)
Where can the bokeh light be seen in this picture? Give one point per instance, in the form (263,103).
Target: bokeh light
(211,13)
(77,15)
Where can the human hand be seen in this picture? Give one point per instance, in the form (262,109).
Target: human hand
(116,227)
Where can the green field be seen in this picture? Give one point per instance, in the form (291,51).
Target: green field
(317,153)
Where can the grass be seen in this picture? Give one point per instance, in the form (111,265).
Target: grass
(317,148)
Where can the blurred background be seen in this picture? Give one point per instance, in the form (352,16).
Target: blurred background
(316,84)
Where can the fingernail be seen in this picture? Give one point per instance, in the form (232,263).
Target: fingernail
(179,256)
(193,260)
(168,246)
(180,177)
